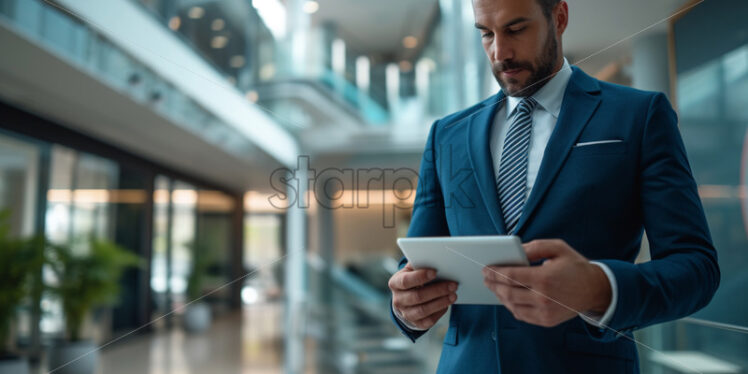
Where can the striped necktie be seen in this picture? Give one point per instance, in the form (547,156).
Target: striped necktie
(512,180)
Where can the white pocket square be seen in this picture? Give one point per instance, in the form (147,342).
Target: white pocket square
(598,142)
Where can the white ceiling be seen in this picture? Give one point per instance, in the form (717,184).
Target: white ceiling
(379,26)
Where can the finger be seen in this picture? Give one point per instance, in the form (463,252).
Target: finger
(546,317)
(513,295)
(544,249)
(525,313)
(405,280)
(408,267)
(421,311)
(510,275)
(431,320)
(425,294)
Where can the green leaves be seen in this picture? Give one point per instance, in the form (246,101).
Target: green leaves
(88,280)
(20,260)
(84,279)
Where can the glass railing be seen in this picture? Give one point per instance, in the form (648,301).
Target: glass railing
(77,43)
(350,317)
(350,321)
(692,345)
(249,55)
(369,109)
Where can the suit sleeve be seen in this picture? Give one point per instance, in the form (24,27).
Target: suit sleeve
(683,274)
(428,212)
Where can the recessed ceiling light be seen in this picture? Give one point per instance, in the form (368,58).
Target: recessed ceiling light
(253,96)
(219,41)
(196,12)
(410,41)
(405,66)
(217,24)
(175,22)
(267,72)
(311,7)
(236,61)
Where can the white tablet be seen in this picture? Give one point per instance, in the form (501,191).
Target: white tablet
(462,258)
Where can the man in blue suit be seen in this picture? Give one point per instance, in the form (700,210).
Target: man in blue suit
(578,169)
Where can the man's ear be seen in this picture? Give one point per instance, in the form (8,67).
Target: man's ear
(561,17)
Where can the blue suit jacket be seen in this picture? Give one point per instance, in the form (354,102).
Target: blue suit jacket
(598,198)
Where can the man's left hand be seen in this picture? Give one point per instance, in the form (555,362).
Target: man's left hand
(546,295)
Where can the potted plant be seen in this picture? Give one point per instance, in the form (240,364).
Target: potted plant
(197,315)
(20,260)
(84,281)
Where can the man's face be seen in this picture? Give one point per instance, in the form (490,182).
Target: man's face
(520,41)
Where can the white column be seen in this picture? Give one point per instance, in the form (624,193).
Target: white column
(298,31)
(295,272)
(650,64)
(363,74)
(650,71)
(392,83)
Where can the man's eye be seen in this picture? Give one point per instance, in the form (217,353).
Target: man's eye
(487,35)
(516,31)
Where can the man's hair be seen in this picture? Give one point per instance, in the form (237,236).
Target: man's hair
(547,6)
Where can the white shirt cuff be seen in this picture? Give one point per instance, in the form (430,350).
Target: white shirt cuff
(603,320)
(403,321)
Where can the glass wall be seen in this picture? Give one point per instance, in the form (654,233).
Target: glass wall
(73,196)
(161,244)
(19,173)
(79,209)
(192,233)
(262,246)
(183,226)
(19,186)
(711,94)
(213,246)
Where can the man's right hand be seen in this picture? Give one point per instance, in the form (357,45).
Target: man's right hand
(419,304)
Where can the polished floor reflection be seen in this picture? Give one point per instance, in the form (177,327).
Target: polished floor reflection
(244,342)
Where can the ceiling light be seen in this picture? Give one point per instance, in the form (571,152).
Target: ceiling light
(267,72)
(405,66)
(175,22)
(428,64)
(253,96)
(237,61)
(311,7)
(196,12)
(273,14)
(217,24)
(410,41)
(219,41)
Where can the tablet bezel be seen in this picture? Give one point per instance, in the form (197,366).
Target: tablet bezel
(462,258)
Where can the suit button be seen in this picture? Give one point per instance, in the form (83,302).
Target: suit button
(493,335)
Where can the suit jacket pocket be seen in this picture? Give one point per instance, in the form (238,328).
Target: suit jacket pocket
(599,149)
(581,343)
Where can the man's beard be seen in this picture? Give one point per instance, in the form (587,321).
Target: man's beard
(540,72)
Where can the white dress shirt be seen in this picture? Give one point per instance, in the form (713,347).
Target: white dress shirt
(544,117)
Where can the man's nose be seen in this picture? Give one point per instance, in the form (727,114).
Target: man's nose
(501,50)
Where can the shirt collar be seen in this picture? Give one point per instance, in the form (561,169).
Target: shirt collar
(550,96)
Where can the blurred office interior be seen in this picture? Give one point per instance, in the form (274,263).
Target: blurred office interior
(185,132)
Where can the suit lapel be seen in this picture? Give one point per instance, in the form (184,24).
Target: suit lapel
(479,149)
(580,102)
